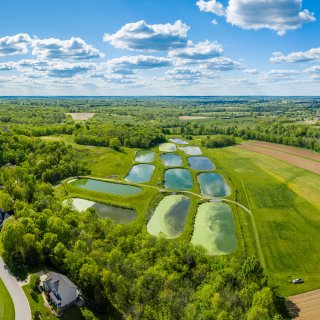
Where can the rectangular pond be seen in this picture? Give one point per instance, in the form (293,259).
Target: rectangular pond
(191,151)
(178,141)
(170,216)
(106,187)
(178,179)
(171,160)
(144,156)
(214,229)
(117,214)
(140,173)
(200,163)
(167,147)
(213,185)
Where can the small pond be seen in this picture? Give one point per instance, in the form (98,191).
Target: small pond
(191,151)
(144,156)
(214,229)
(178,141)
(167,147)
(106,187)
(213,185)
(170,216)
(119,215)
(140,173)
(178,179)
(201,163)
(171,160)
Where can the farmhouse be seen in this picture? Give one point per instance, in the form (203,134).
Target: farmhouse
(59,289)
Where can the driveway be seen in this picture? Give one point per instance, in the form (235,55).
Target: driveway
(21,304)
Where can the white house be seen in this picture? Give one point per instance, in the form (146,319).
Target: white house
(60,290)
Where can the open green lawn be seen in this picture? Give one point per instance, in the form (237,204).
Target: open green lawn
(285,202)
(6,304)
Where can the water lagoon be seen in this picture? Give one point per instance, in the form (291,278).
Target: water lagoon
(178,141)
(140,173)
(178,179)
(191,151)
(144,156)
(201,163)
(214,229)
(117,214)
(106,187)
(213,185)
(171,160)
(167,147)
(170,216)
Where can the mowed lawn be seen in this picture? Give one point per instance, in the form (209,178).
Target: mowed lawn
(6,304)
(285,202)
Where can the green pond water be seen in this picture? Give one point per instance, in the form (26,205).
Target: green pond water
(171,160)
(117,214)
(191,151)
(167,147)
(178,179)
(170,216)
(144,156)
(178,141)
(214,229)
(140,173)
(213,185)
(106,187)
(200,163)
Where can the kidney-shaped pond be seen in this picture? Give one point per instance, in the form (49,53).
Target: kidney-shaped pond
(106,187)
(178,141)
(140,173)
(171,160)
(200,163)
(178,179)
(191,151)
(144,156)
(213,185)
(170,216)
(119,215)
(214,229)
(167,147)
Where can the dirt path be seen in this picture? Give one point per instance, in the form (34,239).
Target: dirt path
(305,306)
(293,159)
(312,155)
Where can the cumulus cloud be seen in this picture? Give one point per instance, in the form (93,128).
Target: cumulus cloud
(281,74)
(129,64)
(68,70)
(296,57)
(199,51)
(278,15)
(12,45)
(8,66)
(143,36)
(223,64)
(73,49)
(251,71)
(211,6)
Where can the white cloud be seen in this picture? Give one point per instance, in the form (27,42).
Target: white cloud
(199,51)
(211,6)
(278,15)
(251,71)
(73,49)
(223,64)
(214,22)
(143,36)
(281,75)
(12,45)
(8,66)
(296,57)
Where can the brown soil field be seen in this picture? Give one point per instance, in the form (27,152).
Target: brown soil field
(296,151)
(305,306)
(293,159)
(81,116)
(184,118)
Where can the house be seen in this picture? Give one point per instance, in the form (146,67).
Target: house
(60,291)
(4,215)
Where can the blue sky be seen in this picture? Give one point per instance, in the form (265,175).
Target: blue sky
(152,47)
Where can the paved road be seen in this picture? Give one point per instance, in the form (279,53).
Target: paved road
(21,304)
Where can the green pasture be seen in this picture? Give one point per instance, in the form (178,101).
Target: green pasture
(6,304)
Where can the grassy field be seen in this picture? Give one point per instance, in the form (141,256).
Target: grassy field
(285,203)
(6,304)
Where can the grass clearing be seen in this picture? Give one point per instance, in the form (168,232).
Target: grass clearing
(6,304)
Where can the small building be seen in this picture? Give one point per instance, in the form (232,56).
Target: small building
(4,215)
(60,291)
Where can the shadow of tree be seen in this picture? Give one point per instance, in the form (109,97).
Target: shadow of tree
(292,308)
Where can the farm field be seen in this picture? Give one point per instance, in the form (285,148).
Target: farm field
(82,116)
(285,202)
(6,304)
